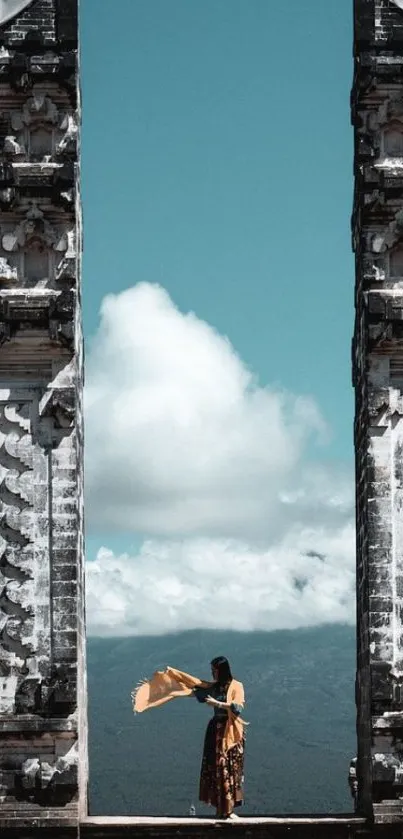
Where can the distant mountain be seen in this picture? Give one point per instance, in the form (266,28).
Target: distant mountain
(300,704)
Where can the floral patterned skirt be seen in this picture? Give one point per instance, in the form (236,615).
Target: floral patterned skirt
(221,777)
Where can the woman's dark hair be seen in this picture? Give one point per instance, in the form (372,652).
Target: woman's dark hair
(224,671)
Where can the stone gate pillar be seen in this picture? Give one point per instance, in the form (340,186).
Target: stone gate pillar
(377,229)
(43,745)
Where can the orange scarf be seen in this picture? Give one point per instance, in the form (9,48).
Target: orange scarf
(169,684)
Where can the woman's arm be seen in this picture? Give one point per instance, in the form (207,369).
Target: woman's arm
(229,706)
(238,700)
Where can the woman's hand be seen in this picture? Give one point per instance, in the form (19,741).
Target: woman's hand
(215,703)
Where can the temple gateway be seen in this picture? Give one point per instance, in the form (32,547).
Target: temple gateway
(43,695)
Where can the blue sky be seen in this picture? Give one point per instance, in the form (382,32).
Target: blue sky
(217,162)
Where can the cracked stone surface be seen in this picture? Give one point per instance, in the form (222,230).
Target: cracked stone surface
(43,738)
(377,231)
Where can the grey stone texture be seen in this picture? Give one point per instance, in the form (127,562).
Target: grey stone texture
(43,729)
(43,694)
(377,233)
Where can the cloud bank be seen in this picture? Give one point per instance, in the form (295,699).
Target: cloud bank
(243,529)
(194,584)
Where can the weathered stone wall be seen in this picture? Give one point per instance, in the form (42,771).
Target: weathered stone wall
(377,228)
(43,750)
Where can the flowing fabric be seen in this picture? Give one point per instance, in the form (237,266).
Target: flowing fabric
(169,684)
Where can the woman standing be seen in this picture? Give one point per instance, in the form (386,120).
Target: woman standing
(221,778)
(222,765)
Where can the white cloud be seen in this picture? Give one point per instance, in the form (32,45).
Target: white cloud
(183,444)
(305,580)
(180,438)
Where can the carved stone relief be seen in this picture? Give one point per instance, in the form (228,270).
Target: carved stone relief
(50,779)
(30,682)
(68,143)
(380,132)
(40,250)
(16,553)
(7,272)
(377,116)
(41,609)
(40,131)
(66,268)
(63,768)
(386,247)
(32,231)
(34,126)
(13,148)
(392,140)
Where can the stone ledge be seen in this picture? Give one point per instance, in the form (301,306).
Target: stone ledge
(258,827)
(111,821)
(27,723)
(304,827)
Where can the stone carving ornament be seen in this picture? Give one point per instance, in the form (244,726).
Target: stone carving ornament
(39,108)
(7,272)
(40,113)
(69,126)
(393,234)
(16,616)
(33,127)
(34,232)
(63,769)
(11,146)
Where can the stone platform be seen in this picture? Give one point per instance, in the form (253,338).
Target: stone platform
(262,827)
